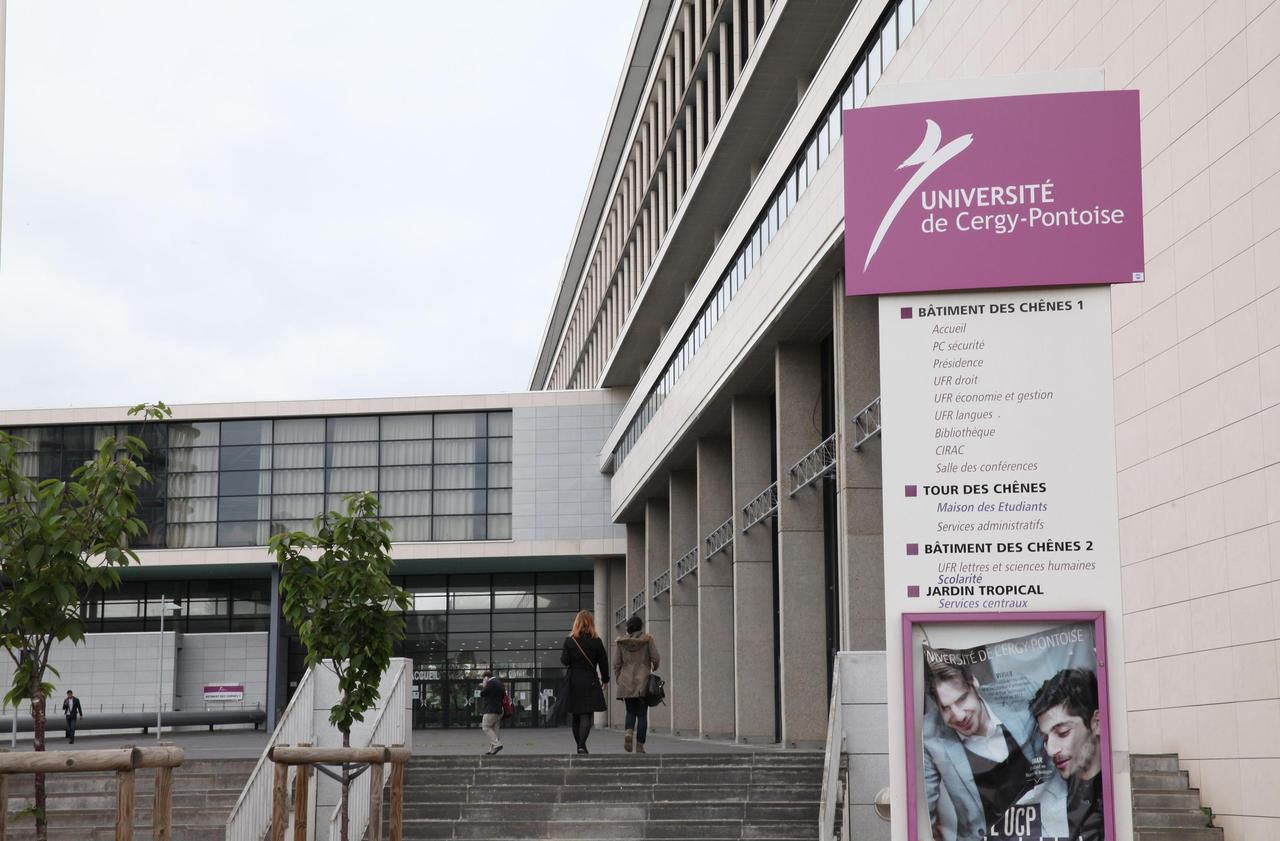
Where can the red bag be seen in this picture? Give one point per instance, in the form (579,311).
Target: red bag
(507,709)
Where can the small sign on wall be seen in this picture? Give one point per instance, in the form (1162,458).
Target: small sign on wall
(224,692)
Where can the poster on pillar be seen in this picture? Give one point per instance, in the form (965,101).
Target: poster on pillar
(1001,544)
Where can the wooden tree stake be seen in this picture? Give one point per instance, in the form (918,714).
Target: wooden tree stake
(126,782)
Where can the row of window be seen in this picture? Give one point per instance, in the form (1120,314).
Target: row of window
(881,46)
(233,483)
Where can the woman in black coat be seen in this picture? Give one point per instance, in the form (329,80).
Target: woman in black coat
(586,674)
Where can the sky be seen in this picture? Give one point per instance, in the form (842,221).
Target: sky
(246,201)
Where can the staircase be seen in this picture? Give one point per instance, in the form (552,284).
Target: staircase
(82,806)
(765,796)
(1165,807)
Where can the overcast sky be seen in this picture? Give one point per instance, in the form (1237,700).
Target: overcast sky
(279,201)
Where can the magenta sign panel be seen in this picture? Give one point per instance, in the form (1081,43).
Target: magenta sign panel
(1042,190)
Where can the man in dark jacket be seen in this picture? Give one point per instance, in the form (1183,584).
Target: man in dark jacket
(491,694)
(72,710)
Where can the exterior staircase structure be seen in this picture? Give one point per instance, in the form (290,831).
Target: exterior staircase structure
(82,806)
(765,795)
(1165,807)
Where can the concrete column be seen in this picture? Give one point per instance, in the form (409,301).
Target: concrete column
(716,689)
(752,453)
(617,598)
(802,638)
(681,668)
(636,566)
(604,616)
(859,510)
(657,543)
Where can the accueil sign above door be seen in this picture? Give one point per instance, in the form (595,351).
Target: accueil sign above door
(989,227)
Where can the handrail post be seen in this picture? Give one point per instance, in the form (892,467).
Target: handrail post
(375,801)
(4,806)
(162,809)
(397,802)
(301,795)
(279,801)
(126,782)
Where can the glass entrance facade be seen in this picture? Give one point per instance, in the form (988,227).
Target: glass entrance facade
(460,625)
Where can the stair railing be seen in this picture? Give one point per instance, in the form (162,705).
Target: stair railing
(833,781)
(388,729)
(301,759)
(251,816)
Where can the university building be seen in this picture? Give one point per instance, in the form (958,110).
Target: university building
(700,443)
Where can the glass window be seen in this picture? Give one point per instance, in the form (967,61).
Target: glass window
(824,144)
(415,504)
(500,423)
(351,479)
(244,508)
(499,502)
(242,534)
(244,482)
(499,475)
(846,97)
(458,502)
(189,536)
(246,432)
(406,452)
(873,66)
(429,600)
(415,529)
(244,458)
(297,481)
(499,449)
(460,476)
(499,527)
(289,456)
(193,434)
(193,484)
(352,455)
(514,640)
(860,84)
(458,528)
(251,598)
(400,427)
(407,478)
(353,429)
(905,20)
(920,5)
(514,599)
(186,459)
(299,431)
(460,451)
(199,510)
(301,507)
(811,158)
(888,42)
(470,597)
(461,425)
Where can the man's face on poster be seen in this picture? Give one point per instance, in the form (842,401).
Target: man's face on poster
(961,707)
(1071,743)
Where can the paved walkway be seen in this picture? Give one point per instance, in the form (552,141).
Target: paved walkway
(248,744)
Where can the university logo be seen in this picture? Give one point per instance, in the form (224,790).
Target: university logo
(928,158)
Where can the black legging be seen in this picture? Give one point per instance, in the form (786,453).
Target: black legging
(582,728)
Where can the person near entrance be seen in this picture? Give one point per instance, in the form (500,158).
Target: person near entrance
(635,657)
(586,674)
(491,693)
(72,710)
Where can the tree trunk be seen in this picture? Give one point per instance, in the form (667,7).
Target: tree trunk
(346,788)
(38,727)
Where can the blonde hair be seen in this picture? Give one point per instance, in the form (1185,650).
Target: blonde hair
(584,623)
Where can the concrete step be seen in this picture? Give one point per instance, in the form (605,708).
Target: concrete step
(1172,819)
(419,830)
(1201,834)
(1159,780)
(1167,762)
(1168,800)
(638,811)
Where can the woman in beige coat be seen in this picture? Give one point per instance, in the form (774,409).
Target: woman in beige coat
(635,657)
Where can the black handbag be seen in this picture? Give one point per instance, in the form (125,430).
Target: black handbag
(655,690)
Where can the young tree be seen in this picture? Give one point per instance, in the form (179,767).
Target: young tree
(58,540)
(338,596)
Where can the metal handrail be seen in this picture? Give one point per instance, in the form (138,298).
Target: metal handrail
(637,602)
(818,462)
(832,798)
(250,818)
(866,424)
(387,730)
(662,583)
(720,539)
(687,564)
(764,506)
(620,616)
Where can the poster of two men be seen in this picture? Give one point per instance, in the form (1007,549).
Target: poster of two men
(1010,739)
